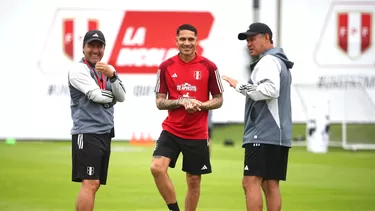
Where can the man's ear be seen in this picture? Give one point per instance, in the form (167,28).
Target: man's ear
(267,37)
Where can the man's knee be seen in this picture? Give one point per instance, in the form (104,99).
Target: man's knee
(193,181)
(159,165)
(249,182)
(270,186)
(91,185)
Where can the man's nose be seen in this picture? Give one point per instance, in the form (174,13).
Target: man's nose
(95,49)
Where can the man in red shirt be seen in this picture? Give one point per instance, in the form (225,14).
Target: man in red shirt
(184,84)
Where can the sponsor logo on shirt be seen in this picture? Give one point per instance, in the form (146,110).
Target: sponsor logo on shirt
(186,96)
(186,87)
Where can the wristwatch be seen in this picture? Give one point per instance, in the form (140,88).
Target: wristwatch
(114,77)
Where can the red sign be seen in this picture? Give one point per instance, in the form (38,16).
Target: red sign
(144,38)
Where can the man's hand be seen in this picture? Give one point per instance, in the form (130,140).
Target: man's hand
(232,82)
(104,68)
(192,105)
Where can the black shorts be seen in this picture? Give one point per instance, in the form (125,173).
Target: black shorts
(266,160)
(90,157)
(196,154)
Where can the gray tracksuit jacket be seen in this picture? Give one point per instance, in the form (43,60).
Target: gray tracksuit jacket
(210,123)
(91,107)
(268,116)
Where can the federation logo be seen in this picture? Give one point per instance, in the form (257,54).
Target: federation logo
(90,170)
(354,32)
(197,74)
(135,44)
(347,35)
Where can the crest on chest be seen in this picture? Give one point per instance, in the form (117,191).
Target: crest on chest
(197,74)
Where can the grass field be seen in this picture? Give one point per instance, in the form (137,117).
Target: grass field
(356,133)
(35,176)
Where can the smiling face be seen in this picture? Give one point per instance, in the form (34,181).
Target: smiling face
(93,51)
(186,42)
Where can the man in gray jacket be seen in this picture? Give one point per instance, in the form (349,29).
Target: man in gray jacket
(268,119)
(94,90)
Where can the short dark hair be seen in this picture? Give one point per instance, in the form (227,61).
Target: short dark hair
(187,27)
(263,34)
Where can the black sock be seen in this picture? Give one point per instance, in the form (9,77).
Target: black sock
(173,207)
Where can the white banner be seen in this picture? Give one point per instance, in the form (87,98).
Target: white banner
(37,51)
(140,35)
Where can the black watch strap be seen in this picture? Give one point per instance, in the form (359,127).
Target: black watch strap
(114,77)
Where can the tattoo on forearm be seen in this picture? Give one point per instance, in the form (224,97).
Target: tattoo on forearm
(214,103)
(165,104)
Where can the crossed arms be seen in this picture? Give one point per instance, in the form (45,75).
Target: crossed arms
(81,79)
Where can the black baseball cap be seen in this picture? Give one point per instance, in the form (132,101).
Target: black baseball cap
(255,28)
(93,35)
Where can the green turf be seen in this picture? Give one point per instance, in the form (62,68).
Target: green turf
(36,176)
(356,133)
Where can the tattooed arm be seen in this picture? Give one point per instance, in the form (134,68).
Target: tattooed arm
(162,103)
(214,103)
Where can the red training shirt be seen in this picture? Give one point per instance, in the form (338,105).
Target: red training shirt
(195,79)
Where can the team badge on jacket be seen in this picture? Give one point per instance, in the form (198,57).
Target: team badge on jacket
(197,75)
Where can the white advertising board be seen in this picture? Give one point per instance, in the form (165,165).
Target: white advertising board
(331,43)
(140,35)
